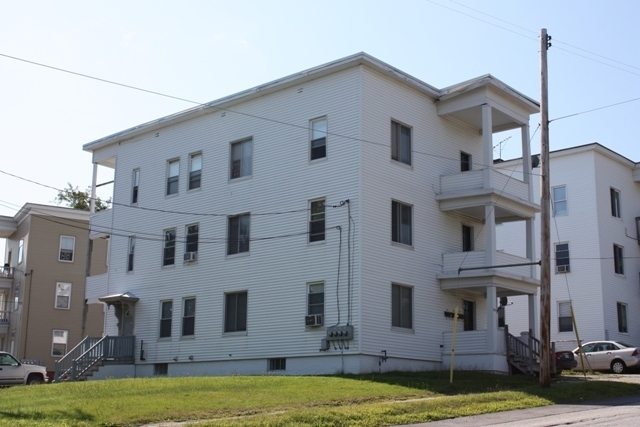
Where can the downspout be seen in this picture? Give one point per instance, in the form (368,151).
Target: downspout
(28,307)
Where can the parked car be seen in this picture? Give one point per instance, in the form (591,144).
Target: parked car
(565,360)
(13,372)
(608,355)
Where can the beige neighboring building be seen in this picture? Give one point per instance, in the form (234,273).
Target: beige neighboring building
(42,283)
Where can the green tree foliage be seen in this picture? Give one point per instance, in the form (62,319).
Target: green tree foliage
(76,199)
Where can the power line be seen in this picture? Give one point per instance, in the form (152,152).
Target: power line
(595,109)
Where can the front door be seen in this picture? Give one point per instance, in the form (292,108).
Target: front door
(469,315)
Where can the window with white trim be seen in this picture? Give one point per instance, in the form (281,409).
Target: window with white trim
(615,202)
(318,148)
(20,251)
(565,324)
(563,263)
(465,161)
(166,316)
(67,246)
(559,201)
(131,252)
(59,342)
(195,171)
(169,247)
(401,306)
(235,312)
(315,298)
(238,234)
(16,297)
(401,223)
(400,143)
(134,186)
(622,318)
(241,159)
(189,317)
(191,247)
(618,259)
(173,176)
(63,296)
(316,220)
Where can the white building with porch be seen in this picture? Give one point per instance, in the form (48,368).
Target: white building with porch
(329,221)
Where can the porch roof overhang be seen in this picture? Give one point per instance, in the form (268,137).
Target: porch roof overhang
(477,281)
(126,297)
(472,203)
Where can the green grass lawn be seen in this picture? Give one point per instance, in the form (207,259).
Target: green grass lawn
(364,400)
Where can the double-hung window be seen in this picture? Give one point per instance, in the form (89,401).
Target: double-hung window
(191,248)
(315,298)
(562,258)
(401,223)
(401,306)
(615,203)
(238,234)
(316,220)
(467,238)
(565,324)
(400,143)
(16,297)
(173,175)
(67,246)
(63,296)
(166,315)
(622,318)
(318,149)
(59,342)
(241,159)
(235,316)
(130,252)
(20,251)
(189,317)
(559,200)
(195,171)
(618,259)
(169,247)
(465,161)
(134,187)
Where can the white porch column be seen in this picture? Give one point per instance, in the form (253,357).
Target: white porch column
(532,315)
(92,208)
(487,144)
(492,319)
(490,235)
(526,158)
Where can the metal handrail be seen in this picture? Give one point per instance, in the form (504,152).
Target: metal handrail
(100,349)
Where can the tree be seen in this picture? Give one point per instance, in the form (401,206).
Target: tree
(76,199)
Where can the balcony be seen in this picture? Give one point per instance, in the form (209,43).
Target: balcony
(101,224)
(466,193)
(4,321)
(6,276)
(518,280)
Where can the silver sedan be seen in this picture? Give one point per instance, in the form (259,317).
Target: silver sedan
(607,355)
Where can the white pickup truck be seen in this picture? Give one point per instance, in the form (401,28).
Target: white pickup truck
(13,372)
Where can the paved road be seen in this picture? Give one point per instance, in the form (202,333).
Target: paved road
(621,411)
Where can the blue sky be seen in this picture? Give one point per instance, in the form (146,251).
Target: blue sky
(204,50)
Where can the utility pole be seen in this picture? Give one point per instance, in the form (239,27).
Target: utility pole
(545,256)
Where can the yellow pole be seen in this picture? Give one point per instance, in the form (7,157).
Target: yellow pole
(575,328)
(453,344)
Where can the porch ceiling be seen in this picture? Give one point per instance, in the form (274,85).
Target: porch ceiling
(477,281)
(472,203)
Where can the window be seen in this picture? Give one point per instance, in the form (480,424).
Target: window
(20,251)
(189,317)
(316,221)
(401,223)
(318,138)
(622,318)
(401,306)
(469,315)
(279,364)
(191,248)
(400,143)
(63,295)
(615,203)
(565,324)
(195,171)
(235,317)
(467,238)
(173,175)
(559,200)
(618,259)
(238,234)
(241,158)
(59,347)
(562,258)
(160,369)
(169,252)
(16,297)
(130,252)
(315,298)
(67,245)
(166,314)
(134,189)
(465,161)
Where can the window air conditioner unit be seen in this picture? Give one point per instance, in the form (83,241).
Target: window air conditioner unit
(314,320)
(563,268)
(190,256)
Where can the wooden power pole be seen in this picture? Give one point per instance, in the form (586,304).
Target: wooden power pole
(545,256)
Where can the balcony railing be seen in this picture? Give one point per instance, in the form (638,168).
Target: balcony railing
(474,180)
(6,272)
(454,261)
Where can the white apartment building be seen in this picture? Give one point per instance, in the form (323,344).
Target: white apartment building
(595,248)
(316,224)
